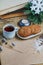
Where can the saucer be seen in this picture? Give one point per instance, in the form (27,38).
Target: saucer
(28,37)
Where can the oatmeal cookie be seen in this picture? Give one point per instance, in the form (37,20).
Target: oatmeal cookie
(24,31)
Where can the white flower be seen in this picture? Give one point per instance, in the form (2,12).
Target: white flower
(37,6)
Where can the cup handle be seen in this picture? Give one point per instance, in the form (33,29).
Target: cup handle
(16,29)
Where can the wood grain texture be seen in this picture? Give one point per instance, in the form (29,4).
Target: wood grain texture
(23,53)
(12,15)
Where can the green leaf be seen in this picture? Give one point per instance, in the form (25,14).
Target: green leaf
(34,19)
(41,16)
(28,5)
(31,18)
(41,12)
(27,12)
(33,12)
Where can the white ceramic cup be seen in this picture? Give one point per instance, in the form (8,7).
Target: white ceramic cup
(10,34)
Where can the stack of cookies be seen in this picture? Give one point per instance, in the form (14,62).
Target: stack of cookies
(29,30)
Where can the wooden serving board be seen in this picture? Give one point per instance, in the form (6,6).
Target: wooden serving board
(23,53)
(18,14)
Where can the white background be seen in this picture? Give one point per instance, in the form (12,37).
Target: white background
(4,4)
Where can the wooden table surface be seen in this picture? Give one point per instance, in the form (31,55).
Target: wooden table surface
(23,53)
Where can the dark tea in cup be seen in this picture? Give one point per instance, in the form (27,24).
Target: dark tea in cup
(9,28)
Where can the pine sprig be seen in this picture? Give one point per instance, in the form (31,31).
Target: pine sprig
(34,18)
